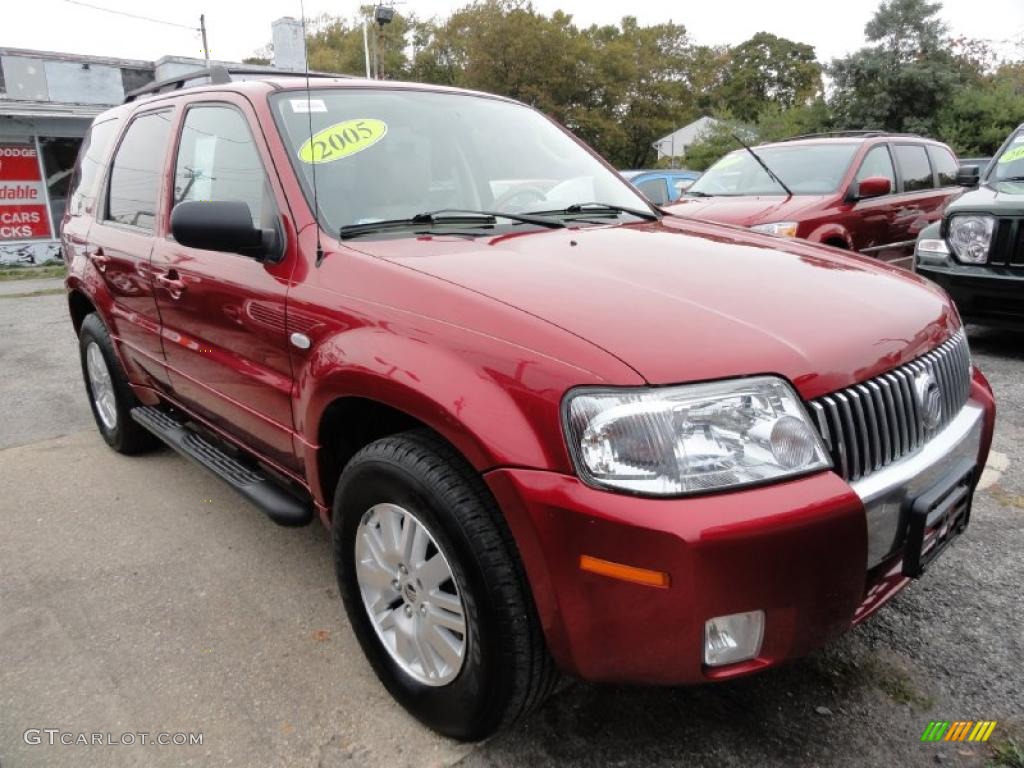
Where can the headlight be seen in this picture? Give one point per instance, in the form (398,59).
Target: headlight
(670,441)
(781,228)
(931,251)
(970,237)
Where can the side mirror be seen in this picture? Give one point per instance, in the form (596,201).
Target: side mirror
(873,186)
(221,225)
(968,175)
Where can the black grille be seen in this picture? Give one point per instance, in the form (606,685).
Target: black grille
(872,424)
(1008,243)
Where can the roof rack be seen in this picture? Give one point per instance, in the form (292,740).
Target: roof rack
(849,134)
(216,74)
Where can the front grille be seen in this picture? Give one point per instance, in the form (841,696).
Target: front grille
(1008,243)
(872,424)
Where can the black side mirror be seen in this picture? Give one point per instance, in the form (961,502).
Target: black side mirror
(968,175)
(221,225)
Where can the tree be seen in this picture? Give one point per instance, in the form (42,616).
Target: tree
(901,82)
(767,69)
(978,119)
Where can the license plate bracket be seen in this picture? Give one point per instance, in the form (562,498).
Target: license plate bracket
(938,516)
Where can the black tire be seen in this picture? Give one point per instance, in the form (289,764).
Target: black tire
(126,436)
(507,671)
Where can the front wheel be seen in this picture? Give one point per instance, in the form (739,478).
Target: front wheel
(434,589)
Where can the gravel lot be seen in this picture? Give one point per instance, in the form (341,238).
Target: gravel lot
(142,595)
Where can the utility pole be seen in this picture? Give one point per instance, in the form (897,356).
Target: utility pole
(202,28)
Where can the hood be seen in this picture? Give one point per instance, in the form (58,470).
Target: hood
(745,211)
(999,197)
(685,301)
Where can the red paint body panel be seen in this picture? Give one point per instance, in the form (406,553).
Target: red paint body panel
(886,226)
(481,339)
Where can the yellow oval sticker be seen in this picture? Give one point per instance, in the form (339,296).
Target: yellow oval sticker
(342,140)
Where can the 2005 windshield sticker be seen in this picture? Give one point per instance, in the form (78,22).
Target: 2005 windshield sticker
(342,140)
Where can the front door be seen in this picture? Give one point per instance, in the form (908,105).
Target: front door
(223,314)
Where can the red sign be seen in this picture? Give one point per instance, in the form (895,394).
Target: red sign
(23,212)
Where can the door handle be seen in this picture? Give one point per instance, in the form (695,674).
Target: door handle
(99,260)
(172,283)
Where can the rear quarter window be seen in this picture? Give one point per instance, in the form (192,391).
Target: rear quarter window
(89,167)
(945,165)
(912,160)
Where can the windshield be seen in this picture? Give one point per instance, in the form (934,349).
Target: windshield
(806,169)
(1009,163)
(383,155)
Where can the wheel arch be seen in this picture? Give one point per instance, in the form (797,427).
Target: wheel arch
(80,306)
(832,234)
(352,392)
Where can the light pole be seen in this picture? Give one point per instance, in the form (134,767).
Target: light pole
(382,14)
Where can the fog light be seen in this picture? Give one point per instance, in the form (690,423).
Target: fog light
(733,638)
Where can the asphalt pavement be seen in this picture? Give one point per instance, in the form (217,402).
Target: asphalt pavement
(141,595)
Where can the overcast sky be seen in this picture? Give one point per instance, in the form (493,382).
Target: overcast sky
(236,28)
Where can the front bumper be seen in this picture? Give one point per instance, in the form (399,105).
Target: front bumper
(815,554)
(983,294)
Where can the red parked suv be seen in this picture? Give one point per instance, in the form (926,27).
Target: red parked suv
(548,427)
(859,190)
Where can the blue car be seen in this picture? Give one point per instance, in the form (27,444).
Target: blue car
(662,187)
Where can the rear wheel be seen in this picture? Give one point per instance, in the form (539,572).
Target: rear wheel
(110,396)
(434,589)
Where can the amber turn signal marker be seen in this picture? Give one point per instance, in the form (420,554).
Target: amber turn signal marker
(624,572)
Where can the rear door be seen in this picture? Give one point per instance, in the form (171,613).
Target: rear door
(223,313)
(120,242)
(945,165)
(919,202)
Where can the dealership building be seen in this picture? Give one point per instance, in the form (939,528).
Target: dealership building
(47,103)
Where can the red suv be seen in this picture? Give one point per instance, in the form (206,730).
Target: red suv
(862,191)
(548,427)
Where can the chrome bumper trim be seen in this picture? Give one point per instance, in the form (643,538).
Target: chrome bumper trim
(885,492)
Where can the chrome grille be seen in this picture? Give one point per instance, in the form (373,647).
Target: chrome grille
(872,424)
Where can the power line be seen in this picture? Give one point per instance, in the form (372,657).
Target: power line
(132,15)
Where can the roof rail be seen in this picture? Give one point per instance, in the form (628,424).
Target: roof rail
(849,134)
(216,74)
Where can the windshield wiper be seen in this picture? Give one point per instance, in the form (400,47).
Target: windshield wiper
(1011,178)
(763,164)
(696,193)
(599,208)
(444,217)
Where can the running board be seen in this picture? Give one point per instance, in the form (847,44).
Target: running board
(278,504)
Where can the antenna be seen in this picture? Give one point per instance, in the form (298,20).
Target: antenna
(309,117)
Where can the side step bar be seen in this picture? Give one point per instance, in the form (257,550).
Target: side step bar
(278,504)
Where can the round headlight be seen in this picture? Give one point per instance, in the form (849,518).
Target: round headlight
(970,237)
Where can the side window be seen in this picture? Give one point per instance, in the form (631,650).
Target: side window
(654,190)
(878,162)
(914,167)
(945,165)
(217,160)
(90,165)
(136,170)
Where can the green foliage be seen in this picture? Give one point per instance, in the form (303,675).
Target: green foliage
(978,119)
(621,87)
(902,82)
(769,70)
